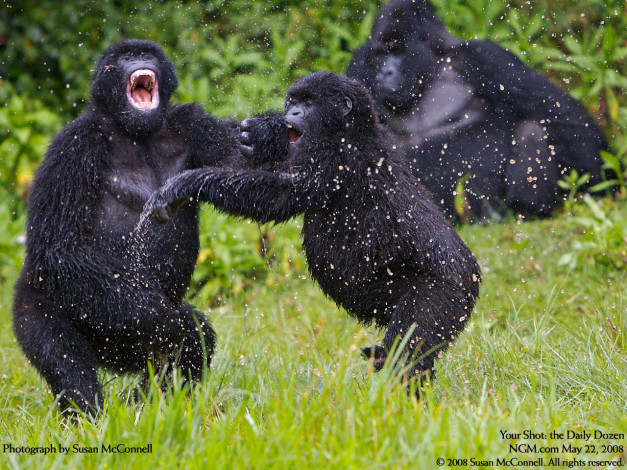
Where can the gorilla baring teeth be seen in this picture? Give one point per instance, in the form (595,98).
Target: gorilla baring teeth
(143,89)
(95,292)
(374,241)
(294,133)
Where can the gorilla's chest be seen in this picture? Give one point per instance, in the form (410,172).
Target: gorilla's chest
(136,170)
(338,247)
(446,105)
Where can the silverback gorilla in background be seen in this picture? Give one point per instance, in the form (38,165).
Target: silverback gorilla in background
(374,241)
(92,292)
(473,108)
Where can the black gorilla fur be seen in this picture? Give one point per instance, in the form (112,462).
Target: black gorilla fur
(374,241)
(474,108)
(94,292)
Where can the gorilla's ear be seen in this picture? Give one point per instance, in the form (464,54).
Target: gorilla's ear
(347,105)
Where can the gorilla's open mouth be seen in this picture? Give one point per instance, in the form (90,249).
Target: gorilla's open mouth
(142,89)
(294,133)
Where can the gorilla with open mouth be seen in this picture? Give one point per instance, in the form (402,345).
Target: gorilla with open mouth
(95,292)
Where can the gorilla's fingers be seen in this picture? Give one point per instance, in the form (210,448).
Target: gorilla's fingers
(246,138)
(177,204)
(158,207)
(246,125)
(247,150)
(160,215)
(377,353)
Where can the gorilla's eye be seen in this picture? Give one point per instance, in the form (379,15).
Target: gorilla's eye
(380,50)
(395,48)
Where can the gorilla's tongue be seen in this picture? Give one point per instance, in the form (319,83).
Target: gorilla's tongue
(141,95)
(142,89)
(294,136)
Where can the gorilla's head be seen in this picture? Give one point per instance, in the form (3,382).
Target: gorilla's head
(325,104)
(132,83)
(407,40)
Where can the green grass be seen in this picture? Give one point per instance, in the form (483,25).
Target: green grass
(544,351)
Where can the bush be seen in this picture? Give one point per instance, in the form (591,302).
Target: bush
(603,241)
(238,57)
(26,127)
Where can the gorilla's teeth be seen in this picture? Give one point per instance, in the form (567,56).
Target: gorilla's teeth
(289,126)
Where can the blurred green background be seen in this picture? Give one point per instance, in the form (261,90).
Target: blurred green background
(239,57)
(545,348)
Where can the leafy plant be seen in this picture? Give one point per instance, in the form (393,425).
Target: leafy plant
(572,183)
(461,204)
(237,254)
(25,129)
(11,237)
(618,165)
(604,240)
(229,257)
(596,59)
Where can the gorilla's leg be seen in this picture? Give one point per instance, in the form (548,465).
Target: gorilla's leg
(59,352)
(434,313)
(121,357)
(532,172)
(191,356)
(198,344)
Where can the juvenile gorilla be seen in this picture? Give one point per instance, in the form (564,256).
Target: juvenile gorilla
(374,241)
(94,293)
(473,108)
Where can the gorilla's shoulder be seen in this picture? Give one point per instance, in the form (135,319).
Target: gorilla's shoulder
(84,130)
(191,117)
(487,54)
(183,112)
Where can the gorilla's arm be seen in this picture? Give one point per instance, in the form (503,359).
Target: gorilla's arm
(504,79)
(60,260)
(214,142)
(260,195)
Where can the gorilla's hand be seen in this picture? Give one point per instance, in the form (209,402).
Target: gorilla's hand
(377,353)
(165,201)
(264,139)
(246,139)
(158,207)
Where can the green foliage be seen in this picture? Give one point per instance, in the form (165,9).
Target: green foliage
(597,59)
(572,183)
(618,164)
(229,259)
(241,46)
(25,129)
(603,242)
(11,239)
(460,202)
(239,254)
(544,350)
